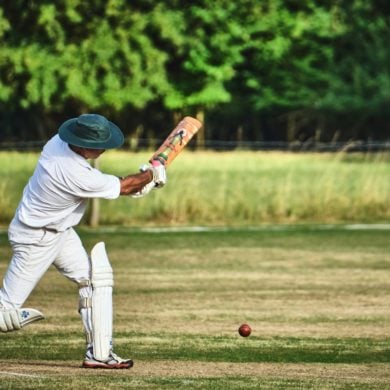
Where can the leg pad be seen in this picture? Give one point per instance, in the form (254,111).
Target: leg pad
(102,313)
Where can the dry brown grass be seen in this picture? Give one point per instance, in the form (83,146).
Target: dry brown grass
(165,297)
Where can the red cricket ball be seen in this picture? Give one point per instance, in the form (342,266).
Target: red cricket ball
(244,330)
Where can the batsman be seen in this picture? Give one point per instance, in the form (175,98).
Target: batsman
(42,232)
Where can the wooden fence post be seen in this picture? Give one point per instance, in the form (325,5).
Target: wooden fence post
(95,205)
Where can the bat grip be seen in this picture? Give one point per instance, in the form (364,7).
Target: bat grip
(157,162)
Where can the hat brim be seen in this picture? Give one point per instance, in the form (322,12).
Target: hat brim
(66,134)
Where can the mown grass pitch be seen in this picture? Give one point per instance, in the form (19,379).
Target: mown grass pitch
(317,299)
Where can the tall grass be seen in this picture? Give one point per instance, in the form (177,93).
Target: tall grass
(236,188)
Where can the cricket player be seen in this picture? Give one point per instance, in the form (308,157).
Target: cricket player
(41,232)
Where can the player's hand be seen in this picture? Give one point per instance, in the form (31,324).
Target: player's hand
(159,173)
(145,190)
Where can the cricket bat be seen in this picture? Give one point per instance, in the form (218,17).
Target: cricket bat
(176,141)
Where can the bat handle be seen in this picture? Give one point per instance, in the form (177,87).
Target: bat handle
(157,161)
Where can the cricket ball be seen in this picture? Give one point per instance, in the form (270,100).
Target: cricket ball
(244,330)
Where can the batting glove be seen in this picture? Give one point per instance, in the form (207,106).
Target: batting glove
(159,173)
(145,190)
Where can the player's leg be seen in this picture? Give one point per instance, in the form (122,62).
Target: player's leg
(33,253)
(95,291)
(73,262)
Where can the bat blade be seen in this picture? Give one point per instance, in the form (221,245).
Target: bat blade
(176,141)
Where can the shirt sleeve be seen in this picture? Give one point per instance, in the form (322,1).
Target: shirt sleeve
(91,183)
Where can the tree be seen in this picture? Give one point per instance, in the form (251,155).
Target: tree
(204,60)
(59,53)
(307,62)
(270,69)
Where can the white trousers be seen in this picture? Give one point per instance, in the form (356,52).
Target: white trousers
(34,251)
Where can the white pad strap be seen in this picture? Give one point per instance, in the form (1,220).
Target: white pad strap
(102,282)
(15,319)
(85,307)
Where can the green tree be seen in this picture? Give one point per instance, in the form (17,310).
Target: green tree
(281,67)
(204,59)
(314,60)
(62,53)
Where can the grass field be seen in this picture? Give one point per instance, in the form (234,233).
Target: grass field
(317,298)
(235,188)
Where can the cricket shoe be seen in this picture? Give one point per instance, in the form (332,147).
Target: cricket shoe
(113,361)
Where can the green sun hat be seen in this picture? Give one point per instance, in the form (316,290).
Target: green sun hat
(91,131)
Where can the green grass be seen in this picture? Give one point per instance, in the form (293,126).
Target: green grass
(315,296)
(235,188)
(206,348)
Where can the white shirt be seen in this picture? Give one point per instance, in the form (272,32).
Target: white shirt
(57,193)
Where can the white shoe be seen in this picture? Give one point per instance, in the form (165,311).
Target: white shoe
(113,361)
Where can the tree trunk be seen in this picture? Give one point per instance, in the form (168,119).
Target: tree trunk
(201,136)
(95,204)
(291,126)
(240,136)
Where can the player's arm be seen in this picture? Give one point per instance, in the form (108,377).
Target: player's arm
(141,184)
(150,176)
(134,183)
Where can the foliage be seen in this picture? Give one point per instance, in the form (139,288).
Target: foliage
(64,51)
(296,67)
(208,56)
(316,60)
